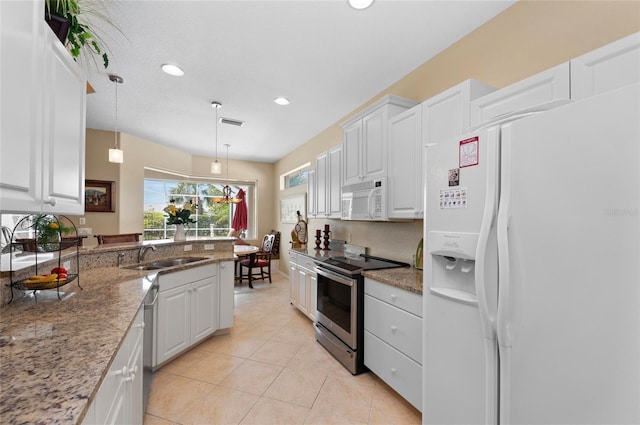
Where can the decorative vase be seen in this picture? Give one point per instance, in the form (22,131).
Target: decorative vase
(180,234)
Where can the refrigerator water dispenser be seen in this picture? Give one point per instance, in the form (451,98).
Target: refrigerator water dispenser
(453,262)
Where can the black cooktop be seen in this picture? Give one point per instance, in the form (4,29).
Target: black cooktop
(357,264)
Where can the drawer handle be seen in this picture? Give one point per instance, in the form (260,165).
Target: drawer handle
(393,297)
(122,372)
(393,329)
(132,376)
(393,370)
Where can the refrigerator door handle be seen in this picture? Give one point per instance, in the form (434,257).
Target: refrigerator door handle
(504,270)
(488,221)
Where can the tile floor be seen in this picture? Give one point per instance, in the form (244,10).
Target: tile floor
(269,370)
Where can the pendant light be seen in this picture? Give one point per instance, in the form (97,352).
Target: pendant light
(226,190)
(216,167)
(116,155)
(360,4)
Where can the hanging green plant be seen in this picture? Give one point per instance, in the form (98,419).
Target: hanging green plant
(81,36)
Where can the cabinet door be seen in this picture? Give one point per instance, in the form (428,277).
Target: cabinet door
(174,320)
(352,145)
(334,184)
(22,56)
(447,114)
(405,164)
(64,124)
(302,291)
(615,65)
(545,88)
(227,298)
(204,308)
(293,284)
(374,129)
(312,190)
(110,399)
(312,295)
(136,370)
(321,185)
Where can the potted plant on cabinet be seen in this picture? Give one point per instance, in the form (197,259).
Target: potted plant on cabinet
(71,21)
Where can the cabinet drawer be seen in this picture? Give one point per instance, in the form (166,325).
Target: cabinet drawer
(175,279)
(306,262)
(397,370)
(397,297)
(396,327)
(293,258)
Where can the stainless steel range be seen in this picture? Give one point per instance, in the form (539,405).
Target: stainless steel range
(340,319)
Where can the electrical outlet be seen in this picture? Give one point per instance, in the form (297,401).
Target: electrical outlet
(82,221)
(188,247)
(84,231)
(208,246)
(66,265)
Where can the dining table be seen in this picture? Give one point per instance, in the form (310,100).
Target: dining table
(239,252)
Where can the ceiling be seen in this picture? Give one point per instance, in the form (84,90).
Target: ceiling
(326,57)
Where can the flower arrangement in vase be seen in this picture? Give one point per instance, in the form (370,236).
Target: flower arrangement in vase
(180,216)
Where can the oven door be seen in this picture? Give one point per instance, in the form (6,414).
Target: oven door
(337,305)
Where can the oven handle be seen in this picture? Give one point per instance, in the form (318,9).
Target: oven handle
(334,276)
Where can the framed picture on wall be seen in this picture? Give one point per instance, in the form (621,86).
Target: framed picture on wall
(98,196)
(290,205)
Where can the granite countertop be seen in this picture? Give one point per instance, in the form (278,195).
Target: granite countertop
(408,278)
(55,353)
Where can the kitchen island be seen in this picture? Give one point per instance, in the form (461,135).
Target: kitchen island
(55,353)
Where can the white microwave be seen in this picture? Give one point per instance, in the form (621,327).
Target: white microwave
(366,201)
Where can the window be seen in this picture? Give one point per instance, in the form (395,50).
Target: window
(295,177)
(212,219)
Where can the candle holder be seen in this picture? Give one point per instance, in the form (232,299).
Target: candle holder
(326,240)
(318,240)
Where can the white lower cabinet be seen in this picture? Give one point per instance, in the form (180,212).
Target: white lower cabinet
(188,310)
(303,284)
(393,338)
(119,399)
(227,299)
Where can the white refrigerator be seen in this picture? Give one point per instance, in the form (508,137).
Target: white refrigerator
(532,269)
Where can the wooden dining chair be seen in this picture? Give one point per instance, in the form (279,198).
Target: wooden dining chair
(121,238)
(258,265)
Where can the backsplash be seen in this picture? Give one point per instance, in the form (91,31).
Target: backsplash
(107,256)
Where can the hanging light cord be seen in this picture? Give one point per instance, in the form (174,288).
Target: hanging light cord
(116,118)
(216,134)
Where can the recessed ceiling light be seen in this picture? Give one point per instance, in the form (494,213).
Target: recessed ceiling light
(283,101)
(172,70)
(360,4)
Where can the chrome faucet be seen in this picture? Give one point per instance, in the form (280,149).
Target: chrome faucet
(143,252)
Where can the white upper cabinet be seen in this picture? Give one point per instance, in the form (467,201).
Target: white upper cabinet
(42,137)
(321,184)
(365,140)
(22,82)
(328,184)
(312,187)
(540,90)
(334,185)
(447,114)
(615,65)
(64,132)
(405,165)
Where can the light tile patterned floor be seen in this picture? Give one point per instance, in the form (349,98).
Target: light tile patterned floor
(269,370)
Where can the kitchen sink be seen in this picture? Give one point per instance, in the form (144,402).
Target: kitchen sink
(163,264)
